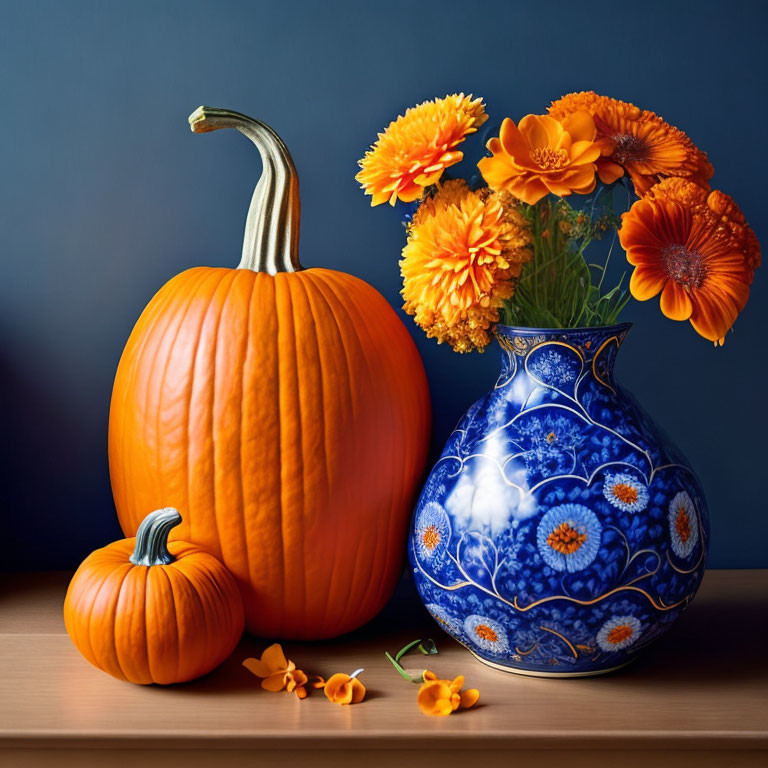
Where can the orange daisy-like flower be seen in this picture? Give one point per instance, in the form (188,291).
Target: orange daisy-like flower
(415,149)
(279,673)
(345,689)
(696,249)
(542,155)
(442,697)
(636,141)
(463,252)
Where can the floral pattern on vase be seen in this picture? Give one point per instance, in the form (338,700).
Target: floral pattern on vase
(560,531)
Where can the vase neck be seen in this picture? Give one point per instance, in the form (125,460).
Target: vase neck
(553,356)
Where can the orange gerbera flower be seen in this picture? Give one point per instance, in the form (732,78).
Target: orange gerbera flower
(542,155)
(636,140)
(463,252)
(415,149)
(442,697)
(696,249)
(345,689)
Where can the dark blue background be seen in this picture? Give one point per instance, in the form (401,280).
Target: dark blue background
(105,195)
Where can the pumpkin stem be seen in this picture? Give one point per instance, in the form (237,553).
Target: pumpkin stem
(152,537)
(271,242)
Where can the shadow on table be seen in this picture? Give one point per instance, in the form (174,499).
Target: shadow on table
(720,640)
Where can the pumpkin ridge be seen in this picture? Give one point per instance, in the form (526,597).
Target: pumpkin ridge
(143,572)
(264,497)
(179,573)
(351,601)
(282,289)
(388,450)
(336,307)
(323,459)
(208,606)
(231,348)
(420,418)
(245,367)
(411,402)
(122,596)
(173,619)
(85,629)
(352,297)
(190,393)
(177,317)
(295,379)
(156,594)
(208,312)
(108,626)
(118,470)
(180,318)
(212,390)
(132,515)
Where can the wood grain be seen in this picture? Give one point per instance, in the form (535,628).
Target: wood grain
(703,690)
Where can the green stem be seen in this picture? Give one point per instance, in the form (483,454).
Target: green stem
(427,647)
(152,538)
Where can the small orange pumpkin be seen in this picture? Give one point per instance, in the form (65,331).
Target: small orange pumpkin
(285,409)
(151,612)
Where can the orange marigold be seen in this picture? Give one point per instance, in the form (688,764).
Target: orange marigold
(542,155)
(463,252)
(415,149)
(636,141)
(696,249)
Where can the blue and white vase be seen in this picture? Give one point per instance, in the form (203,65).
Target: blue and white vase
(560,531)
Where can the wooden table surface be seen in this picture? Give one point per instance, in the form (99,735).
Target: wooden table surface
(697,698)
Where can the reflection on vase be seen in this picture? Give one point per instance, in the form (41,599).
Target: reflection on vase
(560,531)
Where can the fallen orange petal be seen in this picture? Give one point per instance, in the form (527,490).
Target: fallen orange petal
(344,689)
(274,658)
(257,667)
(469,697)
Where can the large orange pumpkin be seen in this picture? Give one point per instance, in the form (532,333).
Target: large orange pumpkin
(286,409)
(149,612)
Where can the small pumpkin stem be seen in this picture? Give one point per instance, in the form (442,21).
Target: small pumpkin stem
(152,537)
(271,241)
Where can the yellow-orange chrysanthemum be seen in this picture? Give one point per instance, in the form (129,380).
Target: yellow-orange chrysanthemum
(542,155)
(636,141)
(695,249)
(415,149)
(463,253)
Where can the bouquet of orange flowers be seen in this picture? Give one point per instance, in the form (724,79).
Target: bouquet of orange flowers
(510,246)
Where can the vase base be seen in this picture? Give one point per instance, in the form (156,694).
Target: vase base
(533,673)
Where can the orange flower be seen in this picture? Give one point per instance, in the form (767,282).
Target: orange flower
(463,252)
(415,149)
(694,248)
(442,697)
(278,673)
(542,155)
(636,140)
(345,689)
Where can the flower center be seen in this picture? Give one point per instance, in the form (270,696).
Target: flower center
(431,537)
(683,525)
(625,493)
(685,266)
(549,159)
(627,148)
(551,437)
(566,539)
(619,634)
(486,633)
